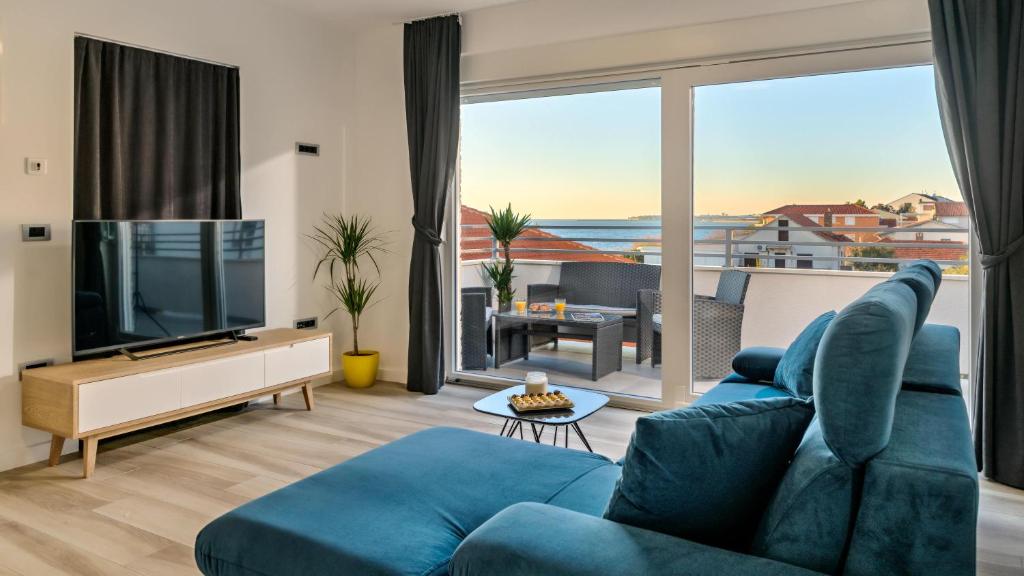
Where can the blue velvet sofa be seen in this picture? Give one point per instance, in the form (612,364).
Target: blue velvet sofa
(883,482)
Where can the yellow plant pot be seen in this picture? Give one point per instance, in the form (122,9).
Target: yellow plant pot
(360,371)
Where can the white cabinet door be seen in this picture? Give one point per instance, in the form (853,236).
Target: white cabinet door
(301,360)
(102,404)
(217,379)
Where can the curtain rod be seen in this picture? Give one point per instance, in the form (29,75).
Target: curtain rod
(158,51)
(441,15)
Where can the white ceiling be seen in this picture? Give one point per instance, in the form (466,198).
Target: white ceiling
(649,12)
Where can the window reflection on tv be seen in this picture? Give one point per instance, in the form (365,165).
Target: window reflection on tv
(143,283)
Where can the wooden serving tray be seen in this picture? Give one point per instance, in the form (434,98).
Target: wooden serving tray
(554,400)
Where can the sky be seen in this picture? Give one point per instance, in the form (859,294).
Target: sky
(835,138)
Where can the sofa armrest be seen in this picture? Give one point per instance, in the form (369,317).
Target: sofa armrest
(541,292)
(757,363)
(529,538)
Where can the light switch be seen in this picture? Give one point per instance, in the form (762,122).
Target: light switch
(35,166)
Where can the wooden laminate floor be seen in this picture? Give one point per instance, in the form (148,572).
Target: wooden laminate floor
(152,492)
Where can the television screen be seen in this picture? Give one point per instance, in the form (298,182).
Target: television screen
(142,283)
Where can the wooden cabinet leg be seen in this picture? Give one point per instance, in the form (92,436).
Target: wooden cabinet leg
(56,447)
(277,399)
(307,394)
(89,456)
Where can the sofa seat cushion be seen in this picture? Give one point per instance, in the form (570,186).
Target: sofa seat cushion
(735,389)
(919,509)
(537,540)
(706,473)
(402,508)
(934,361)
(590,492)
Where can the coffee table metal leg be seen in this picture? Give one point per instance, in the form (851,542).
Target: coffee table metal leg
(503,426)
(536,434)
(576,427)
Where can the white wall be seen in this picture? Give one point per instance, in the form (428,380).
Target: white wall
(379,187)
(295,86)
(528,39)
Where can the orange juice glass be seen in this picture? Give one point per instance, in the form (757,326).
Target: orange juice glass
(559,306)
(520,306)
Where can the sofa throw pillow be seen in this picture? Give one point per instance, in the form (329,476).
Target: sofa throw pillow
(795,371)
(707,473)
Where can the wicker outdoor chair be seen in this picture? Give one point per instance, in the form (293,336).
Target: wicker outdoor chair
(477,335)
(717,326)
(609,287)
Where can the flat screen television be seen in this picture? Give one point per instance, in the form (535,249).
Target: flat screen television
(140,284)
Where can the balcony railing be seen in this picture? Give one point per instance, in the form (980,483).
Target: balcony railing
(734,251)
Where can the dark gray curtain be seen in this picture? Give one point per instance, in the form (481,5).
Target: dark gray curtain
(432,49)
(156,136)
(979,50)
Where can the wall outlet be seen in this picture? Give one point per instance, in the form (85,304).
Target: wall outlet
(306,323)
(35,166)
(33,364)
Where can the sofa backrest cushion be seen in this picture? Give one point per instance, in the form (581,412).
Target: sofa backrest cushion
(706,473)
(934,269)
(807,519)
(606,283)
(920,279)
(795,372)
(859,370)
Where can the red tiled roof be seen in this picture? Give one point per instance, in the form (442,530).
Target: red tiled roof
(477,238)
(845,209)
(955,251)
(950,209)
(806,222)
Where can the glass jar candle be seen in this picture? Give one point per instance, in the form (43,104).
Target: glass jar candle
(536,383)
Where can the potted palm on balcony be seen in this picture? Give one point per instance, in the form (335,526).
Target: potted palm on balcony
(505,226)
(346,241)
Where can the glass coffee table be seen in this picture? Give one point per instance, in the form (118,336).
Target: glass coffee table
(586,403)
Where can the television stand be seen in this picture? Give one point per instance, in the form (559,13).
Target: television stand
(178,349)
(95,399)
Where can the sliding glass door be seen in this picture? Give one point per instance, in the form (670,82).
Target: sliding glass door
(814,178)
(789,186)
(580,166)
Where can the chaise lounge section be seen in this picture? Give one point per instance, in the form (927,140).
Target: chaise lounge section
(889,449)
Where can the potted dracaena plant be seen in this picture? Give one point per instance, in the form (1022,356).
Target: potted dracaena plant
(505,226)
(345,242)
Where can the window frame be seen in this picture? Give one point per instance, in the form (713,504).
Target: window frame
(585,85)
(677,83)
(678,92)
